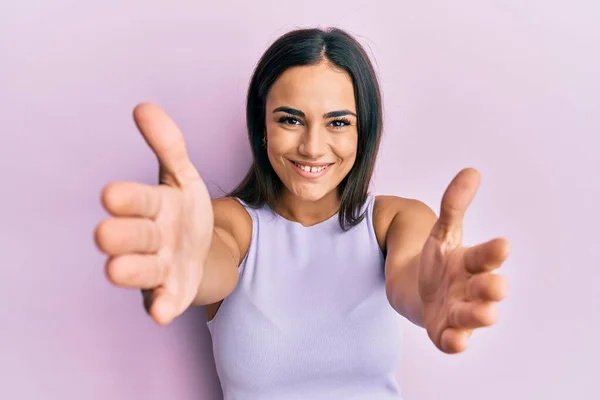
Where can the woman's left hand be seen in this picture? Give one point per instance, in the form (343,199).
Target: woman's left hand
(457,284)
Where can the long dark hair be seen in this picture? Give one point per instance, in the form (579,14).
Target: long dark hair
(308,47)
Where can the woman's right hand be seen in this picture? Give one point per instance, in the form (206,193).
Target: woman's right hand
(159,236)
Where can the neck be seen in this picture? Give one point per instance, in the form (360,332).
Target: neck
(307,213)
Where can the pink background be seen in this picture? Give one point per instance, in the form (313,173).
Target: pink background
(510,87)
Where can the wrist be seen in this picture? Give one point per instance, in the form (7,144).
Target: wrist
(403,292)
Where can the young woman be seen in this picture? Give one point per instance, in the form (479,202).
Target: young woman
(304,273)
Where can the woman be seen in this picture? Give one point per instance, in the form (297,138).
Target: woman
(305,275)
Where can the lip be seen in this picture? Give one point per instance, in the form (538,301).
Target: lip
(311,164)
(310,175)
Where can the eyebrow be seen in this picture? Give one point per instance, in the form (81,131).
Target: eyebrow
(298,113)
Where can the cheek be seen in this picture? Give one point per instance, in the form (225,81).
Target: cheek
(345,147)
(279,144)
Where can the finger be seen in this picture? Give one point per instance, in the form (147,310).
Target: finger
(486,287)
(131,199)
(136,271)
(471,315)
(166,141)
(117,236)
(456,199)
(162,306)
(486,256)
(454,340)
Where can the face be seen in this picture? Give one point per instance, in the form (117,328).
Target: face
(311,130)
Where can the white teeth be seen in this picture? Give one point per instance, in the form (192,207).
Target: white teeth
(310,169)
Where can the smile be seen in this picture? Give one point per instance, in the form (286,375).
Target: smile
(310,171)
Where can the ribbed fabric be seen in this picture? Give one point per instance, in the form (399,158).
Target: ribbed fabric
(309,318)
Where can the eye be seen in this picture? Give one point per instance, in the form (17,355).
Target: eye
(340,123)
(288,120)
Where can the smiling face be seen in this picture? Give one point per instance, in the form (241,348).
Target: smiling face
(311,130)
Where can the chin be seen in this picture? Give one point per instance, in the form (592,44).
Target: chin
(310,194)
(311,198)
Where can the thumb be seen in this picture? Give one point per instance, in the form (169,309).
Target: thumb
(167,142)
(162,306)
(455,201)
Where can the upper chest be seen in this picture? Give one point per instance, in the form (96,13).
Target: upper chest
(290,270)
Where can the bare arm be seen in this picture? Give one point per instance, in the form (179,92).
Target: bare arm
(402,227)
(230,241)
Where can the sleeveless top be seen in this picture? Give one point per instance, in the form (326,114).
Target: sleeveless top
(309,318)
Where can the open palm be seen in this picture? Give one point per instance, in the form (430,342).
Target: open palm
(158,237)
(457,285)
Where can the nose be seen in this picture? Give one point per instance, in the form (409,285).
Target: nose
(313,144)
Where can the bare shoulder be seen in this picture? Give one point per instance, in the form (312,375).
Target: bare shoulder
(406,214)
(232,221)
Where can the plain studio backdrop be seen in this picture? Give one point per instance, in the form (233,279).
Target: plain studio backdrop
(509,87)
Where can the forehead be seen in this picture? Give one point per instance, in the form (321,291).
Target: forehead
(319,88)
